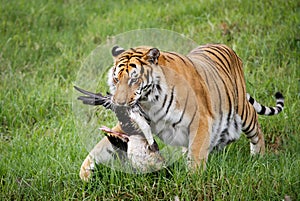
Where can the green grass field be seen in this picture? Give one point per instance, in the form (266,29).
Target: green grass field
(43,45)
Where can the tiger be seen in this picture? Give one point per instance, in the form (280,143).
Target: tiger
(197,101)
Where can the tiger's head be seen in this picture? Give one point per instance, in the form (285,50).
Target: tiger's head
(131,78)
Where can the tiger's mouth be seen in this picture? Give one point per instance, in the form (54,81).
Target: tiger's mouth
(128,104)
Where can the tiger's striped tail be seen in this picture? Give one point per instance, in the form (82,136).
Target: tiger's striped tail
(264,110)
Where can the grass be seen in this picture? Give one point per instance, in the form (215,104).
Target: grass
(43,45)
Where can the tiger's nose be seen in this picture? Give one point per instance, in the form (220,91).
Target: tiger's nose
(120,102)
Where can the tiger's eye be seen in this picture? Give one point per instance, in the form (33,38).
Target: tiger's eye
(134,80)
(132,65)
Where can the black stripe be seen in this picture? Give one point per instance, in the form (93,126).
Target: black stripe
(279,109)
(272,111)
(183,112)
(125,57)
(215,56)
(227,94)
(251,100)
(138,52)
(167,57)
(250,127)
(230,52)
(262,111)
(221,53)
(148,92)
(122,59)
(190,61)
(131,82)
(223,69)
(142,70)
(163,105)
(171,100)
(226,49)
(158,88)
(192,119)
(121,71)
(142,62)
(180,57)
(252,136)
(235,124)
(222,136)
(165,99)
(121,65)
(132,65)
(137,55)
(280,103)
(230,108)
(242,117)
(144,88)
(147,76)
(206,77)
(143,114)
(227,91)
(220,106)
(229,112)
(168,107)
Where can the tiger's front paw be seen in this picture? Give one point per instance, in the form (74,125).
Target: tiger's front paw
(87,168)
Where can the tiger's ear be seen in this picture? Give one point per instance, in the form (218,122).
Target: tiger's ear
(116,50)
(153,55)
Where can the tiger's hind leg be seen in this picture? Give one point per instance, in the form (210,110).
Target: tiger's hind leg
(253,132)
(257,143)
(199,143)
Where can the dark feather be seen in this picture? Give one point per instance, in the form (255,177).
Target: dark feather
(95,98)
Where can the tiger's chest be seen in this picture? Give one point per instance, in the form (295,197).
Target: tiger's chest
(169,123)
